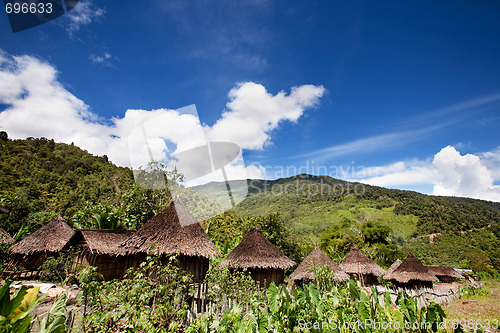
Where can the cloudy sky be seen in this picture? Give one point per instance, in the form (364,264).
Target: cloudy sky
(396,94)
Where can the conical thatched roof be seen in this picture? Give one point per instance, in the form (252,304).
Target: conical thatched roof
(256,251)
(393,267)
(445,271)
(103,241)
(5,238)
(52,237)
(305,271)
(163,234)
(356,262)
(411,269)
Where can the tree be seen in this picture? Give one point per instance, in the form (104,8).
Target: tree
(375,232)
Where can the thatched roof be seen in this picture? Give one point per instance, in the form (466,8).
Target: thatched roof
(411,269)
(305,271)
(393,267)
(5,238)
(163,234)
(256,251)
(3,210)
(356,262)
(445,271)
(52,237)
(103,241)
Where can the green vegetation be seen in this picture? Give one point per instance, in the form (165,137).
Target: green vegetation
(151,298)
(40,179)
(155,299)
(15,309)
(454,231)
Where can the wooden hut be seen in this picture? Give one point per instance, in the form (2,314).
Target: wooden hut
(49,240)
(305,271)
(445,274)
(411,274)
(265,262)
(357,265)
(164,235)
(5,238)
(99,248)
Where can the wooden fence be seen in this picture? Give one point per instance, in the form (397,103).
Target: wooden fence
(440,294)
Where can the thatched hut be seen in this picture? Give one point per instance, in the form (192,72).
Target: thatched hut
(357,265)
(445,274)
(411,274)
(305,271)
(99,248)
(164,235)
(265,262)
(5,238)
(49,240)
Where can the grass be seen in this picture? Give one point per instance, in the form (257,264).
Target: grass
(477,307)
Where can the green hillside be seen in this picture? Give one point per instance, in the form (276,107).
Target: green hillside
(320,209)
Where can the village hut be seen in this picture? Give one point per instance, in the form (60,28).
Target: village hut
(445,274)
(49,240)
(411,274)
(357,265)
(100,248)
(4,210)
(163,235)
(305,271)
(5,238)
(265,262)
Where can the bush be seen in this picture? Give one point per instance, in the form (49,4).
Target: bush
(151,298)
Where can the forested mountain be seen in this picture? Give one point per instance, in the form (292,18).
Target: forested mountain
(40,179)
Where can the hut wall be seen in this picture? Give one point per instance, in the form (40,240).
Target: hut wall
(414,284)
(446,279)
(266,276)
(196,266)
(109,266)
(366,279)
(32,262)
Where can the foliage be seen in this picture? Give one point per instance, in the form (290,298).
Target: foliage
(225,284)
(375,232)
(467,291)
(15,310)
(340,308)
(58,268)
(229,228)
(55,320)
(151,298)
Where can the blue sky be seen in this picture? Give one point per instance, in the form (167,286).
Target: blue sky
(406,94)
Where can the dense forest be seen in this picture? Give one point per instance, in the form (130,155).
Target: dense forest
(40,178)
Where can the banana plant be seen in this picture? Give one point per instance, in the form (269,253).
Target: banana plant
(55,321)
(15,309)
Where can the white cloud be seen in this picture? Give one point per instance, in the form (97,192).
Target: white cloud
(37,105)
(104,59)
(253,113)
(463,175)
(83,14)
(448,172)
